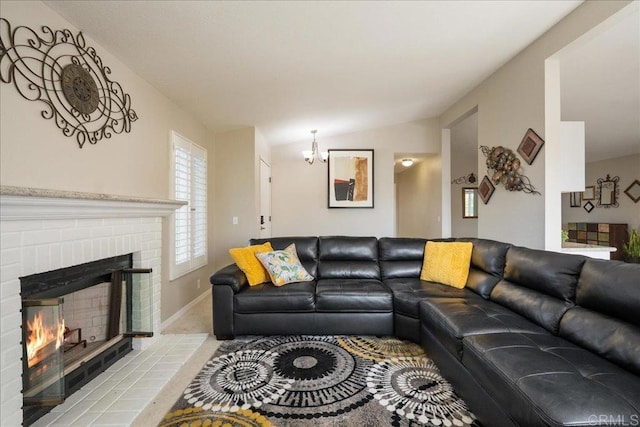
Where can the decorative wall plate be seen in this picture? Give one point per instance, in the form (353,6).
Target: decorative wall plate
(58,69)
(79,88)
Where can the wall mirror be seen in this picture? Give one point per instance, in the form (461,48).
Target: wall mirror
(608,191)
(470,202)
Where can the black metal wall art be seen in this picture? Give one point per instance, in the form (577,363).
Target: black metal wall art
(467,179)
(60,70)
(506,169)
(608,192)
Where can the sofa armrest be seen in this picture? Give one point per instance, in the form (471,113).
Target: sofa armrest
(231,276)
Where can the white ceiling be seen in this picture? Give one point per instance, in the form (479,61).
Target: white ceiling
(287,67)
(600,85)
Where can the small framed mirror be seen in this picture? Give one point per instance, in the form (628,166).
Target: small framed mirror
(470,202)
(608,192)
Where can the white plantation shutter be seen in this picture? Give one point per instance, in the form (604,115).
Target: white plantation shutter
(190,221)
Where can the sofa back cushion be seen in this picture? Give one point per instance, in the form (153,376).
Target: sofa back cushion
(487,265)
(400,257)
(607,318)
(539,285)
(343,257)
(306,247)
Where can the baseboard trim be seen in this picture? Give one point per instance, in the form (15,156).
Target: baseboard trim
(178,314)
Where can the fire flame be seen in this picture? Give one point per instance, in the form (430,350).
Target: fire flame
(41,335)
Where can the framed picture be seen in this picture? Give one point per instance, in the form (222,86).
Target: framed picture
(633,191)
(530,146)
(588,207)
(350,179)
(589,193)
(486,189)
(574,199)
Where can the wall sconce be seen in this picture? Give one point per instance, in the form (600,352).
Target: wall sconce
(407,162)
(311,155)
(467,179)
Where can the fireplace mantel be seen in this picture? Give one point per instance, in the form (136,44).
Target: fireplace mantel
(23,203)
(45,230)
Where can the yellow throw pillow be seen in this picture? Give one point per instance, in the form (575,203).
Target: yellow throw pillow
(447,263)
(245,259)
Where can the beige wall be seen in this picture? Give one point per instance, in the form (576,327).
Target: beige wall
(509,102)
(299,190)
(464,160)
(35,153)
(628,169)
(237,189)
(416,190)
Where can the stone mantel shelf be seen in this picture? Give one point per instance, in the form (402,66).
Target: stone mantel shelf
(23,203)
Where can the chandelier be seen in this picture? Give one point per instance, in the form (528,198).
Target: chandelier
(311,155)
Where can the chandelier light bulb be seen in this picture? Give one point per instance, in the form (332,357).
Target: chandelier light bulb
(311,155)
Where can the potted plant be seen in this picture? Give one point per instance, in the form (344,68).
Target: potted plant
(632,247)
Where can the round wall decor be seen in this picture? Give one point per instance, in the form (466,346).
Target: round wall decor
(79,88)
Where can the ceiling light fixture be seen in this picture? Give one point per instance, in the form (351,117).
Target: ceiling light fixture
(311,155)
(407,162)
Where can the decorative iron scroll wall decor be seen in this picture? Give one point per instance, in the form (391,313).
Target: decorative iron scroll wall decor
(60,70)
(506,169)
(467,179)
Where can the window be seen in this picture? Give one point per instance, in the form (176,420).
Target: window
(189,223)
(470,202)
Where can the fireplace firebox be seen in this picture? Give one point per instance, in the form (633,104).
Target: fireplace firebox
(78,321)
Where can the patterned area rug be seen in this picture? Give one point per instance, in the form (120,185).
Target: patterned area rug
(319,381)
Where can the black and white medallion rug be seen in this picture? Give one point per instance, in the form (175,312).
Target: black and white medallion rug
(319,381)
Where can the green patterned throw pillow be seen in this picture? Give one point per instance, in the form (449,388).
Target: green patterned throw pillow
(284,266)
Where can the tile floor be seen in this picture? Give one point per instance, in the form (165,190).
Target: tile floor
(121,393)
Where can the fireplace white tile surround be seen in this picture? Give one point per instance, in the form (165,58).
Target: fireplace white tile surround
(43,230)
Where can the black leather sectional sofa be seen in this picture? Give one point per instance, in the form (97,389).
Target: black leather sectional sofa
(535,337)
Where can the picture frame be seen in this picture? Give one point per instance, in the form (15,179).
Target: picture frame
(530,146)
(350,178)
(633,191)
(588,207)
(574,199)
(486,189)
(589,193)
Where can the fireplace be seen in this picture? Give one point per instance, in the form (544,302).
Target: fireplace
(78,321)
(47,230)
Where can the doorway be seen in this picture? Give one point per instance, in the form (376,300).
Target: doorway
(265,200)
(416,214)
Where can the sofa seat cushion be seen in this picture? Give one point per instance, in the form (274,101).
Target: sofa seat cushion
(452,319)
(267,298)
(407,294)
(544,377)
(353,295)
